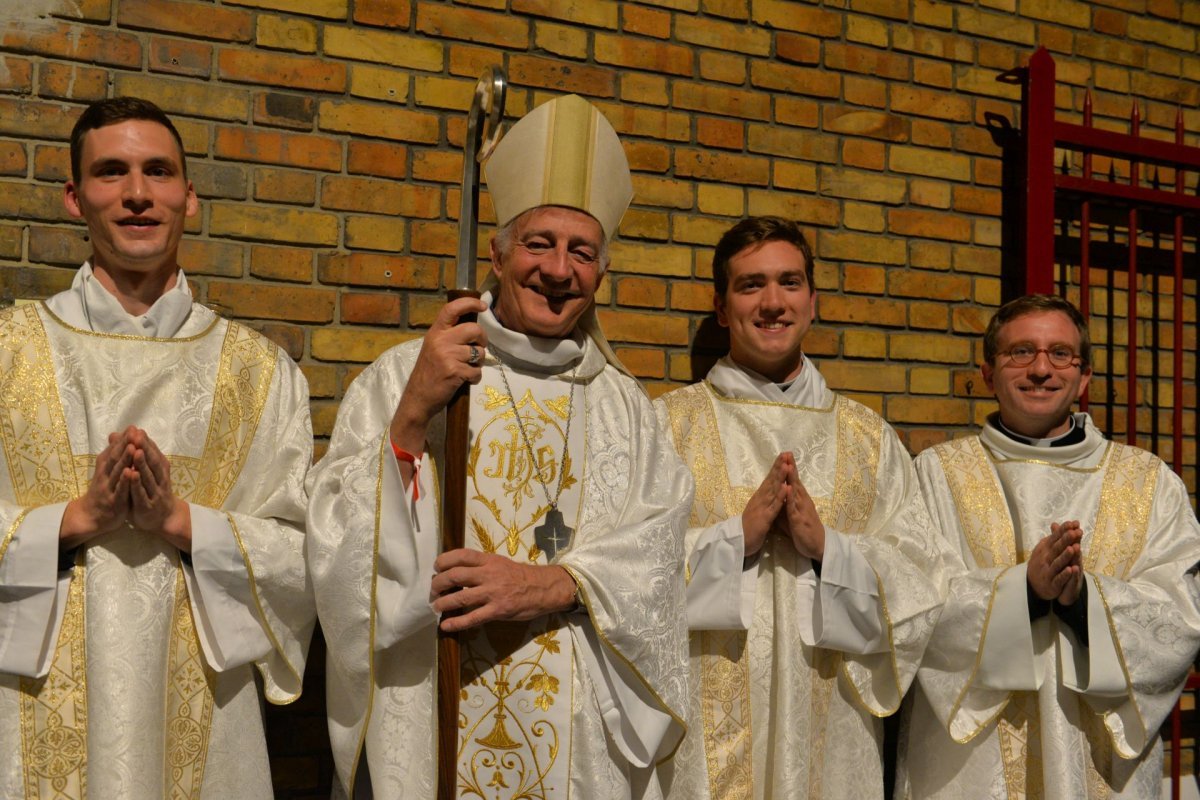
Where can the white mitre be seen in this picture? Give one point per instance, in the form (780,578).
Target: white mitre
(563,153)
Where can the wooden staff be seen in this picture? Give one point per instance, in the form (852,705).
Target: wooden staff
(483,129)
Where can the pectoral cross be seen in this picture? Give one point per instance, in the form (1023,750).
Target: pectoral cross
(553,534)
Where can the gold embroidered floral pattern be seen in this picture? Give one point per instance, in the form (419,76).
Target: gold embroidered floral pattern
(189,702)
(982,513)
(1021,747)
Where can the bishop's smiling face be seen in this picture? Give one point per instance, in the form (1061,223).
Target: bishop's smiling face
(1035,399)
(768,308)
(549,271)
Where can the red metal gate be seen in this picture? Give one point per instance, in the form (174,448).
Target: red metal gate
(1110,221)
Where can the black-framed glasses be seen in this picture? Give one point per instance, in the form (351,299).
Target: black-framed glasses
(1023,354)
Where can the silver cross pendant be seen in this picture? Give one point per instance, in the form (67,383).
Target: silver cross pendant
(553,534)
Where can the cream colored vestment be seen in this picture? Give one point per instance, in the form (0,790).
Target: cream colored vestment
(578,705)
(1008,709)
(791,670)
(131,674)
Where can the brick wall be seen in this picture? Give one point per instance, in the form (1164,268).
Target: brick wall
(324,139)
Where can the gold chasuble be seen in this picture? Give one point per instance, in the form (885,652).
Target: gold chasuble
(516,676)
(779,718)
(1006,708)
(127,707)
(576,705)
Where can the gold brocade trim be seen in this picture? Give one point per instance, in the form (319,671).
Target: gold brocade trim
(1100,752)
(189,702)
(982,514)
(33,427)
(12,529)
(987,617)
(725,684)
(1124,671)
(239,397)
(45,309)
(1126,496)
(1020,742)
(54,711)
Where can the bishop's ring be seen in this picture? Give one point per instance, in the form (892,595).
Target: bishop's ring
(473,358)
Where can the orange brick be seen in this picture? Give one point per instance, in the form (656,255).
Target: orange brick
(201,20)
(322,380)
(12,159)
(796,80)
(285,186)
(632,120)
(180,57)
(471,61)
(730,9)
(281,263)
(473,26)
(592,13)
(191,98)
(68,247)
(72,82)
(895,9)
(932,316)
(647,156)
(434,238)
(929,285)
(723,67)
(380,197)
(17,75)
(625,326)
(876,311)
(378,158)
(729,134)
(280,69)
(924,254)
(933,73)
(797,111)
(82,43)
(863,280)
(654,56)
(934,194)
(284,110)
(973,200)
(354,344)
(645,21)
(791,175)
(928,410)
(427,165)
(294,226)
(862,153)
(643,362)
(727,167)
(385,13)
(752,40)
(380,121)
(866,61)
(787,15)
(798,49)
(328,9)
(928,224)
(865,91)
(203,257)
(288,149)
(644,292)
(374,233)
(370,309)
(642,88)
(562,76)
(265,301)
(364,269)
(692,296)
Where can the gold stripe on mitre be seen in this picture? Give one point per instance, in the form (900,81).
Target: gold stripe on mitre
(563,153)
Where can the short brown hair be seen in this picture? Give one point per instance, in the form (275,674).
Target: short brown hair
(754,231)
(1036,304)
(113,111)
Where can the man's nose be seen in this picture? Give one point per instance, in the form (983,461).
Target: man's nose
(135,189)
(556,263)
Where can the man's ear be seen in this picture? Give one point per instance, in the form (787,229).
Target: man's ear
(193,203)
(988,374)
(719,307)
(1084,382)
(71,200)
(494,249)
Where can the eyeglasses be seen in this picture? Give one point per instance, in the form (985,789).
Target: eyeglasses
(1060,355)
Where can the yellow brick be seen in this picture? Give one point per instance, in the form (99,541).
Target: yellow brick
(726,201)
(974,80)
(1168,34)
(863,280)
(379,83)
(374,233)
(929,380)
(643,88)
(354,344)
(933,163)
(698,230)
(863,217)
(663,192)
(296,226)
(642,224)
(723,67)
(929,347)
(934,194)
(362,44)
(707,32)
(624,326)
(995,26)
(794,175)
(861,247)
(322,380)
(594,13)
(851,376)
(184,97)
(380,121)
(929,316)
(928,410)
(446,93)
(987,233)
(561,40)
(804,208)
(328,9)
(987,291)
(286,33)
(860,185)
(649,259)
(862,310)
(858,343)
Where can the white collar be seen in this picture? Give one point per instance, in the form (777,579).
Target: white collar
(537,354)
(90,306)
(808,389)
(1004,446)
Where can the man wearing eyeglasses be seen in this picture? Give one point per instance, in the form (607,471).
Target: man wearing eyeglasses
(1072,614)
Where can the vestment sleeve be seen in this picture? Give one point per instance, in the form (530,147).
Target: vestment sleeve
(899,546)
(257,565)
(1153,618)
(33,592)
